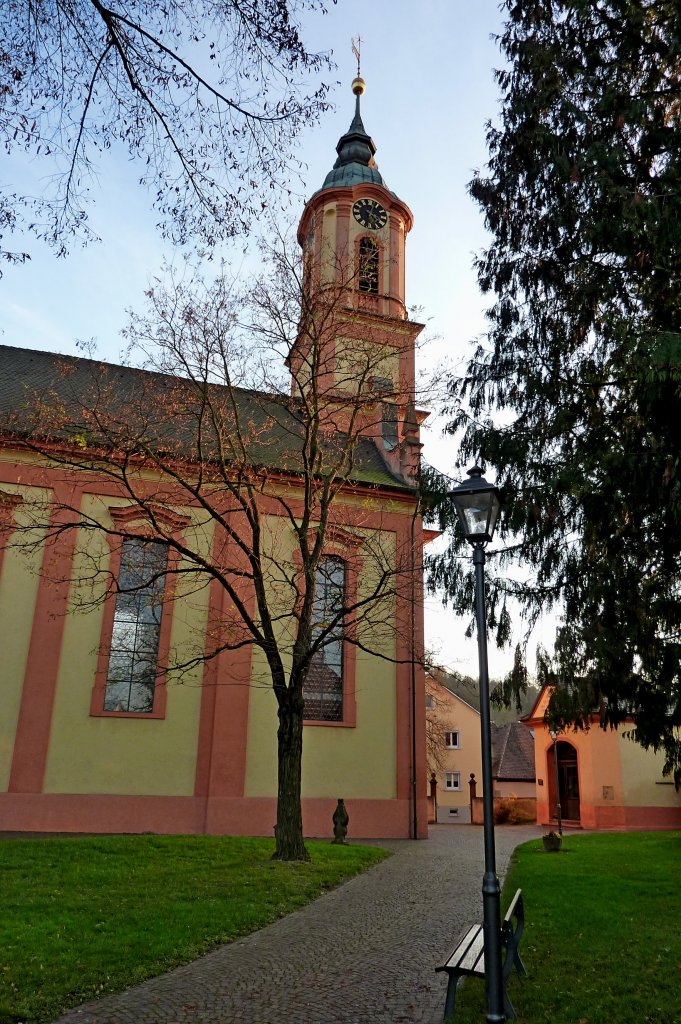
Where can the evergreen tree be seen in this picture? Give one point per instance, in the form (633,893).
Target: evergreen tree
(573,398)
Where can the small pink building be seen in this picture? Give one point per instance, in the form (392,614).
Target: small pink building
(605,779)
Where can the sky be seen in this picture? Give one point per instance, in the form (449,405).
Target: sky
(428,67)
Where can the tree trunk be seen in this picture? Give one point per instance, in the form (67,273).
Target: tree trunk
(289,833)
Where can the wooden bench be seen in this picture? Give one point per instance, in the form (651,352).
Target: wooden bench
(468,959)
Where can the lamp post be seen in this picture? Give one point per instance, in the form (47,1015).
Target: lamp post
(477,505)
(554,734)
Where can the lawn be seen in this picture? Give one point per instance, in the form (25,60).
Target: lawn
(602,938)
(82,916)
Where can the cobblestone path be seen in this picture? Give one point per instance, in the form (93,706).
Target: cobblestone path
(363,954)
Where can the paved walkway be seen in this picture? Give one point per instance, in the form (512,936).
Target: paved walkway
(363,954)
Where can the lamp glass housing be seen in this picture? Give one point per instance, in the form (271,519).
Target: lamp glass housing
(477,505)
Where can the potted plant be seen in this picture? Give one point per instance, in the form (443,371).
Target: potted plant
(553,842)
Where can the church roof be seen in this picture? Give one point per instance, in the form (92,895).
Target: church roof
(160,411)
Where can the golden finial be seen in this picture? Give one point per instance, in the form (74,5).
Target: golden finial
(358,84)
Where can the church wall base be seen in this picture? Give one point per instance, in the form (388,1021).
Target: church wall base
(84,813)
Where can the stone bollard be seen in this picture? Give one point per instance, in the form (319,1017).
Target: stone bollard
(472,787)
(340,822)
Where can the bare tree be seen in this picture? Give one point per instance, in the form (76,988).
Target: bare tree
(265,471)
(435,735)
(206,95)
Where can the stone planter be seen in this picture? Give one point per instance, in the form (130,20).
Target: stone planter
(552,843)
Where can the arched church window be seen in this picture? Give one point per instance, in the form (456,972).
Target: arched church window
(323,688)
(131,676)
(368,265)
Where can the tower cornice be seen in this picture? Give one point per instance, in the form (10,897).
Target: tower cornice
(397,325)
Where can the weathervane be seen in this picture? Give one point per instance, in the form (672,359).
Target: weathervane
(356,46)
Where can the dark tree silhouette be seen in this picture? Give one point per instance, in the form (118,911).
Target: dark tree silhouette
(573,400)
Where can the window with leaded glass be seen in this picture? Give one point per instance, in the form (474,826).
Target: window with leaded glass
(323,690)
(133,655)
(368,266)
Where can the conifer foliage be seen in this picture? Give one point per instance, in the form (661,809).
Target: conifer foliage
(573,399)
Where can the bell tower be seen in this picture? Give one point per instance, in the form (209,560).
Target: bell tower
(353,232)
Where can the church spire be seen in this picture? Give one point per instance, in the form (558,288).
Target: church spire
(355,162)
(356,146)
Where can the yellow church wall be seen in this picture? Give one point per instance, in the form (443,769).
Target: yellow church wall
(19,583)
(338,760)
(131,756)
(261,752)
(358,761)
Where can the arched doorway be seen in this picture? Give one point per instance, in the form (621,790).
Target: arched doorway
(568,781)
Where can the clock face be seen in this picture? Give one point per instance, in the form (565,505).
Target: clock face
(370,214)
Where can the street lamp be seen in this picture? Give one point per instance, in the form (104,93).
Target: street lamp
(477,505)
(554,734)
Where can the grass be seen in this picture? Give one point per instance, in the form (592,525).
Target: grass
(83,916)
(602,940)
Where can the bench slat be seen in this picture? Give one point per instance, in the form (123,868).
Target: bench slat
(461,949)
(474,959)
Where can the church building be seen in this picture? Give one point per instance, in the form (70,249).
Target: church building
(133,699)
